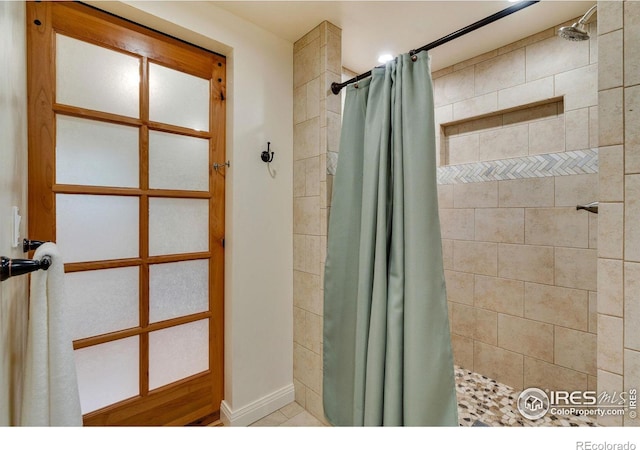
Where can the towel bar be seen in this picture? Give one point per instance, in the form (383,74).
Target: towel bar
(13,267)
(30,245)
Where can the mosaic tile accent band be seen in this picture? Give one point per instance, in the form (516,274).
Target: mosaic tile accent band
(535,166)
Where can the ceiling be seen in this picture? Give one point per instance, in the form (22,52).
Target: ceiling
(370,28)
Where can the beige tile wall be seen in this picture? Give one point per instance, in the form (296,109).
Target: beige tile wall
(522,280)
(317,63)
(508,308)
(519,77)
(521,262)
(618,341)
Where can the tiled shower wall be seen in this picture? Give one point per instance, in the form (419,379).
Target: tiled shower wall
(518,131)
(619,238)
(317,62)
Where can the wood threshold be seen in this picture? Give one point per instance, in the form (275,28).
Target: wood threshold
(210,420)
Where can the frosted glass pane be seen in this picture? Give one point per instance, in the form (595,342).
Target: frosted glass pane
(97,227)
(178,289)
(177,98)
(102,301)
(178,226)
(178,352)
(108,373)
(97,78)
(96,153)
(178,162)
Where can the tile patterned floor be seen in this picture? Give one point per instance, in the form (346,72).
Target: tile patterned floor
(479,398)
(494,404)
(292,415)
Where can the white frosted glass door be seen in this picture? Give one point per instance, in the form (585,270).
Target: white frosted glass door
(97,227)
(177,98)
(94,153)
(178,225)
(102,301)
(108,373)
(178,352)
(178,289)
(97,78)
(178,162)
(125,128)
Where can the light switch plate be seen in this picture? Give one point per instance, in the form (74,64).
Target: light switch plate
(16,227)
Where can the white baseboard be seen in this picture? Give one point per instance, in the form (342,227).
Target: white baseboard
(258,409)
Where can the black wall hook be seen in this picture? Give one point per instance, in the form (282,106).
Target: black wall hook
(266,156)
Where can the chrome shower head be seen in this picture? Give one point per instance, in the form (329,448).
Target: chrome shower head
(578,31)
(575,32)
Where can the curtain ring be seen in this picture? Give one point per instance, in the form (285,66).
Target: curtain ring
(355,85)
(414,57)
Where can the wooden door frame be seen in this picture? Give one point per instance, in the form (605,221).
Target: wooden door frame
(168,405)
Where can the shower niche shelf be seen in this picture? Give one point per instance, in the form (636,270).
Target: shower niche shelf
(530,129)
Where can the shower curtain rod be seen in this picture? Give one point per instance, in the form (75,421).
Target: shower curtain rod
(337,87)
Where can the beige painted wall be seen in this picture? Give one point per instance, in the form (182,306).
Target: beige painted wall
(520,261)
(13,192)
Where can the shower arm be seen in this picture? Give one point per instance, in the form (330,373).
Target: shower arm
(588,15)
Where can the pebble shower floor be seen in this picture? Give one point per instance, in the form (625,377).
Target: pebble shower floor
(494,404)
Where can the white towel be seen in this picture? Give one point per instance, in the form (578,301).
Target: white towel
(50,391)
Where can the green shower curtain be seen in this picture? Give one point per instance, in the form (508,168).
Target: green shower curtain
(387,349)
